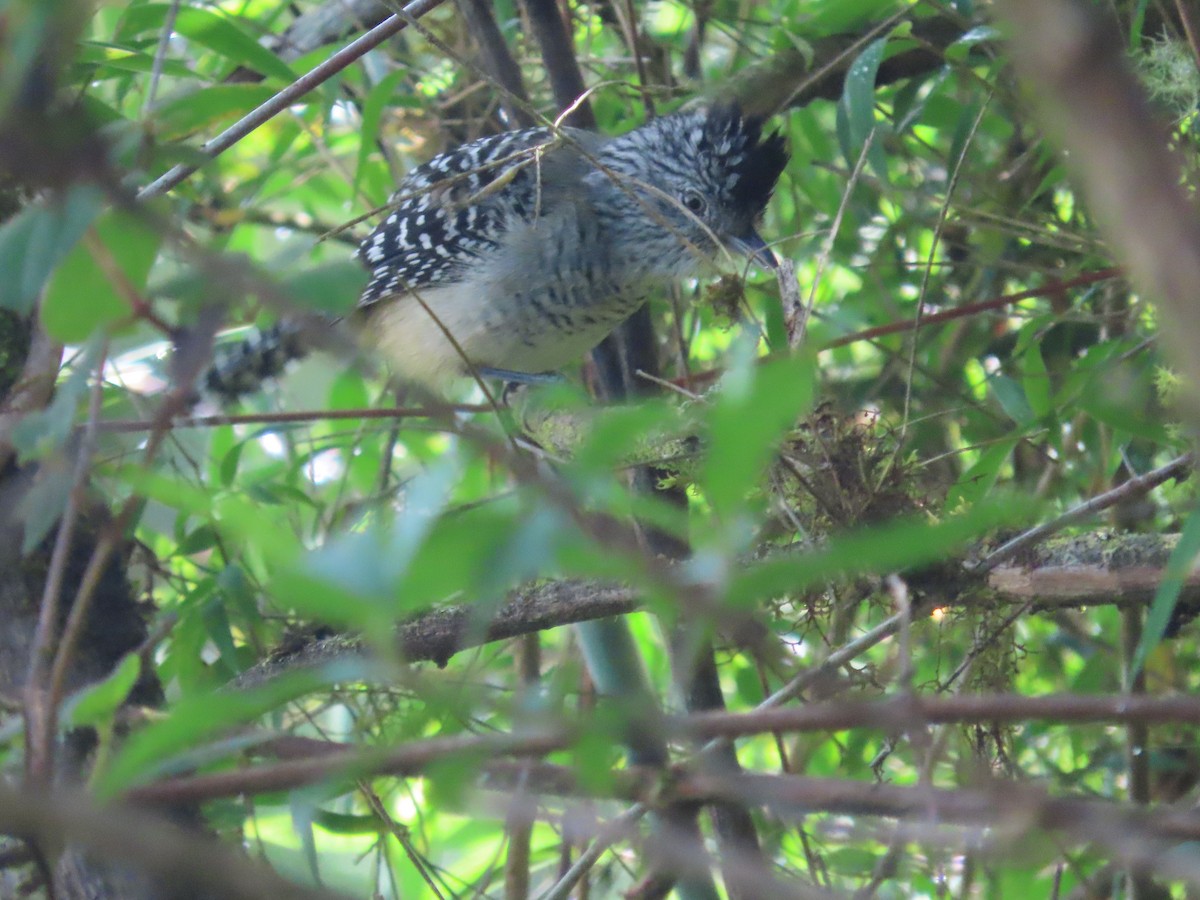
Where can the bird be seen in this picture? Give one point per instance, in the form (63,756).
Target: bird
(513,255)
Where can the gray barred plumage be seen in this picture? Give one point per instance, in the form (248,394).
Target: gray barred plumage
(527,248)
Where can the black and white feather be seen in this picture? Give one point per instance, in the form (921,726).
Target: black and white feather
(452,210)
(520,252)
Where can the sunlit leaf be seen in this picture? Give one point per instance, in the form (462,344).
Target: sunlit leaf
(95,284)
(223,34)
(205,107)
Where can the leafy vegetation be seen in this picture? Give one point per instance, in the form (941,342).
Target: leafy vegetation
(361,660)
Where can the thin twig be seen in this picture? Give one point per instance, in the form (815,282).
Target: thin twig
(589,857)
(796,330)
(160,57)
(40,709)
(283,418)
(927,275)
(308,762)
(1134,487)
(970,309)
(834,660)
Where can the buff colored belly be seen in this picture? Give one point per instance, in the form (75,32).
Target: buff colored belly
(520,339)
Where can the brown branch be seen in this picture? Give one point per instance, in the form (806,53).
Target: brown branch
(1095,569)
(1133,835)
(1089,570)
(971,309)
(307,761)
(437,635)
(1141,839)
(1130,833)
(345,761)
(907,711)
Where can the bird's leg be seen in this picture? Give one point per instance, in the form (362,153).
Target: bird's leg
(520,377)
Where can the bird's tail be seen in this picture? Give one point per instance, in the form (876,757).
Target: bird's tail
(241,368)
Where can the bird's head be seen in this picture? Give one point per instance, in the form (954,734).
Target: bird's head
(705,175)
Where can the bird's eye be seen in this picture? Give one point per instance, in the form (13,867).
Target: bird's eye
(694,203)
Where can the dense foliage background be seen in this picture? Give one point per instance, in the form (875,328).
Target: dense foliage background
(332,630)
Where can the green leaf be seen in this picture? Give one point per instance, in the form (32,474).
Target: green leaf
(261,527)
(44,503)
(858,98)
(98,703)
(1036,382)
(83,294)
(1179,566)
(355,579)
(1122,404)
(898,546)
(107,60)
(204,107)
(757,405)
(348,823)
(1137,23)
(908,105)
(964,131)
(227,450)
(615,433)
(1011,397)
(37,238)
(981,34)
(222,34)
(978,480)
(202,538)
(332,287)
(381,97)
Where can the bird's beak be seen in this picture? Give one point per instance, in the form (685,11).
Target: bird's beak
(753,246)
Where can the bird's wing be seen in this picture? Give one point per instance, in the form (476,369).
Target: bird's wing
(456,207)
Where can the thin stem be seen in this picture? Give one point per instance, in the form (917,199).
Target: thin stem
(1134,487)
(40,708)
(160,57)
